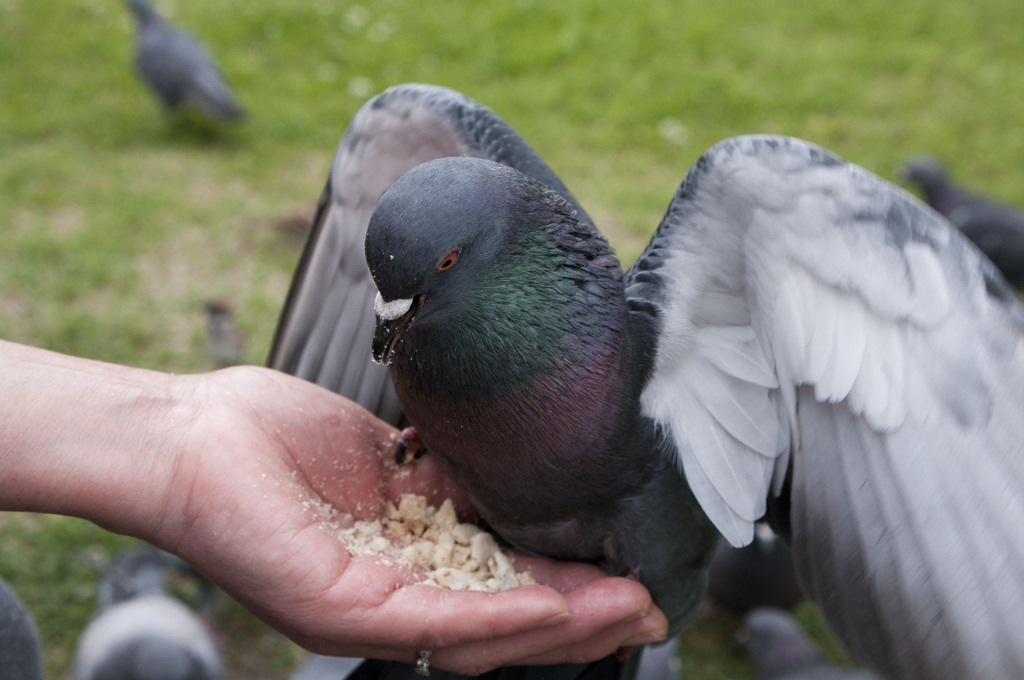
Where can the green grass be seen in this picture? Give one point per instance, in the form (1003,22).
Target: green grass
(116,224)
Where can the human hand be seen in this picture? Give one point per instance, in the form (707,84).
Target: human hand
(266,457)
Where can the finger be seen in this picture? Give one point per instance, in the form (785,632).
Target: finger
(608,614)
(563,576)
(440,618)
(368,608)
(616,641)
(611,640)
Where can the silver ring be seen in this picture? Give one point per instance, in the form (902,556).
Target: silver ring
(423,663)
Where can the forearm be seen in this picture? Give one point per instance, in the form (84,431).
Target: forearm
(243,473)
(86,438)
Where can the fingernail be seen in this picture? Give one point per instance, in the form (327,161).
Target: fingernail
(643,639)
(642,614)
(556,620)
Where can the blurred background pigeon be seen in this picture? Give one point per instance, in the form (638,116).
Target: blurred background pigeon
(177,68)
(223,342)
(997,229)
(660,662)
(142,633)
(760,574)
(20,658)
(781,651)
(318,667)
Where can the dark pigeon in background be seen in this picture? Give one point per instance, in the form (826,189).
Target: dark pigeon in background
(781,651)
(760,574)
(140,632)
(799,336)
(176,67)
(224,343)
(997,229)
(20,656)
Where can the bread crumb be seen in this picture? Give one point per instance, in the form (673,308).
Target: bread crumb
(431,541)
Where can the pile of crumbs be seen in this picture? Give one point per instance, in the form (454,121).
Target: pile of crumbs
(454,556)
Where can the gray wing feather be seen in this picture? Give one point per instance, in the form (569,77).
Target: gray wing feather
(883,373)
(325,328)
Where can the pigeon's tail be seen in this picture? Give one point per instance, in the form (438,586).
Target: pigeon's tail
(216,101)
(210,93)
(227,110)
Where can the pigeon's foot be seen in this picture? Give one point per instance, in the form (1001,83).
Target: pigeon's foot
(410,447)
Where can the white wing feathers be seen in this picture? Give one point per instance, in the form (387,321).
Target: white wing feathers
(817,321)
(784,268)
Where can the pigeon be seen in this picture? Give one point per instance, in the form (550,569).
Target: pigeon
(223,342)
(140,632)
(328,315)
(801,341)
(781,651)
(660,662)
(319,667)
(20,655)
(997,229)
(178,70)
(760,574)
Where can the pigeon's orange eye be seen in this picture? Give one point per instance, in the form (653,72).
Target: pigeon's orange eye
(447,261)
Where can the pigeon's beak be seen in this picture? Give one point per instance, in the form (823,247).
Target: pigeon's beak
(393,318)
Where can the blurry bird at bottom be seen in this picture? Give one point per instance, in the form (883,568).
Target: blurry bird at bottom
(781,651)
(317,667)
(224,343)
(997,229)
(178,70)
(140,632)
(20,656)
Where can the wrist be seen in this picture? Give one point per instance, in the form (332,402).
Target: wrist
(89,439)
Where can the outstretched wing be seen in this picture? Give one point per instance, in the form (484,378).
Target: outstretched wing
(324,331)
(820,334)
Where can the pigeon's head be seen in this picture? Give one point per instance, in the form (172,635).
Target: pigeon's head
(142,10)
(446,238)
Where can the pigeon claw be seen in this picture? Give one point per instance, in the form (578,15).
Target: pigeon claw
(410,446)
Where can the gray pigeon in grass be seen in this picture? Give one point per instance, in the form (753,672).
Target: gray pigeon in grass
(781,651)
(178,70)
(140,632)
(20,655)
(997,229)
(800,340)
(224,345)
